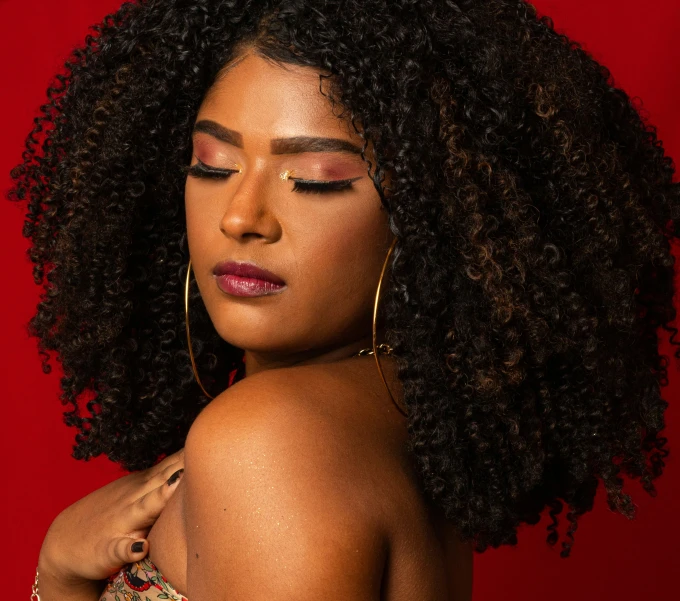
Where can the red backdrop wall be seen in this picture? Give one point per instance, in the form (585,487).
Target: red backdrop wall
(613,558)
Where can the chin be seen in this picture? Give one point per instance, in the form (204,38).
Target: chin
(240,337)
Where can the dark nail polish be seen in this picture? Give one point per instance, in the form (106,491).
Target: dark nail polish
(172,479)
(138,547)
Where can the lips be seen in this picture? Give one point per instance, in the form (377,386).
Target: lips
(247,270)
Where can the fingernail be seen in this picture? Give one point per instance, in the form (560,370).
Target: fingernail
(138,547)
(172,479)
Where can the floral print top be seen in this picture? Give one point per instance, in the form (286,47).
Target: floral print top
(139,581)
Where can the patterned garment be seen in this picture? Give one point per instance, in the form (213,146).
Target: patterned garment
(139,581)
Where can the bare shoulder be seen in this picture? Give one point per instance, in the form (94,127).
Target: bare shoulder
(326,405)
(270,478)
(279,402)
(308,418)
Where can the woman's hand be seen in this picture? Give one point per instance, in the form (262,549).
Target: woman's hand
(93,538)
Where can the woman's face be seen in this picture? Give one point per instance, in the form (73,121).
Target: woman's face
(327,247)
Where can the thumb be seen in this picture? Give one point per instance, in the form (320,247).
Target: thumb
(128,550)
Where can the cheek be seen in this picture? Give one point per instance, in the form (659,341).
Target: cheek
(197,205)
(340,260)
(193,216)
(203,235)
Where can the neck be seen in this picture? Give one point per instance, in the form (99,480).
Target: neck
(255,362)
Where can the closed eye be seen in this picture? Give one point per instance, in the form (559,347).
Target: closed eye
(321,187)
(306,186)
(200,169)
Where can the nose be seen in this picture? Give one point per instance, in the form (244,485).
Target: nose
(250,210)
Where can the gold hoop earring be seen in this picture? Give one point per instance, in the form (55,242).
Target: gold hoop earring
(186,317)
(375,335)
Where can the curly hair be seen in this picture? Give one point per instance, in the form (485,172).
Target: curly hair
(534,209)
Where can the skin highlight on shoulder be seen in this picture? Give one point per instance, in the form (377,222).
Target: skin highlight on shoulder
(267,480)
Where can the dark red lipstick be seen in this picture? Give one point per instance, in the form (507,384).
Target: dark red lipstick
(246,279)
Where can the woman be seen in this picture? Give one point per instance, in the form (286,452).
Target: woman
(461,164)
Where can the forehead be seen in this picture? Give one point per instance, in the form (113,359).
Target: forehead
(261,98)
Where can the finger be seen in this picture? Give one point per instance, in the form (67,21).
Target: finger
(176,455)
(161,474)
(165,469)
(170,459)
(126,550)
(148,507)
(155,479)
(168,471)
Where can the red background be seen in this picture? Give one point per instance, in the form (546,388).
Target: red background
(613,558)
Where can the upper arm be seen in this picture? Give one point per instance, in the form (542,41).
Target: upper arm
(273,511)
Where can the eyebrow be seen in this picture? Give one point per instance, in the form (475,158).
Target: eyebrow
(223,134)
(311,144)
(292,145)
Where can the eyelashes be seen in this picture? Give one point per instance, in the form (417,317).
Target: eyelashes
(201,170)
(309,185)
(207,172)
